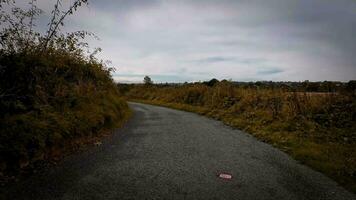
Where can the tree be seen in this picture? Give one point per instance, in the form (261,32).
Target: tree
(351,85)
(212,82)
(147,80)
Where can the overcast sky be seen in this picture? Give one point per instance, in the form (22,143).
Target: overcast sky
(244,40)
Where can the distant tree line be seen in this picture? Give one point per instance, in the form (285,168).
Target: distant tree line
(304,86)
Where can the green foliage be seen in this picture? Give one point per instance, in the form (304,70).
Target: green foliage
(318,129)
(49,99)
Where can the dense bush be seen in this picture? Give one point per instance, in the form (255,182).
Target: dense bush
(54,98)
(51,92)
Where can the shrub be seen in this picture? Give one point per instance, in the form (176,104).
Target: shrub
(51,92)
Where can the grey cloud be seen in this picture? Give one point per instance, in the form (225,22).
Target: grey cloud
(121,6)
(214,59)
(239,60)
(304,39)
(269,71)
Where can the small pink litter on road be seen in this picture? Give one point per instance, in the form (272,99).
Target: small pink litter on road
(225,176)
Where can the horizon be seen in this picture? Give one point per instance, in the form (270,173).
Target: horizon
(230,80)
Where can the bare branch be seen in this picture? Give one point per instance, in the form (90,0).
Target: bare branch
(53,30)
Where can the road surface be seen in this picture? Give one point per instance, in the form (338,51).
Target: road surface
(168,154)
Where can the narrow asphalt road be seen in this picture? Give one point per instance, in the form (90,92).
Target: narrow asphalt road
(168,154)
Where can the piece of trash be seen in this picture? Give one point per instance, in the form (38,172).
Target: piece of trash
(98,143)
(225,176)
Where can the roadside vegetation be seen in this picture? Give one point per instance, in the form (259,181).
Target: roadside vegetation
(313,122)
(54,95)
